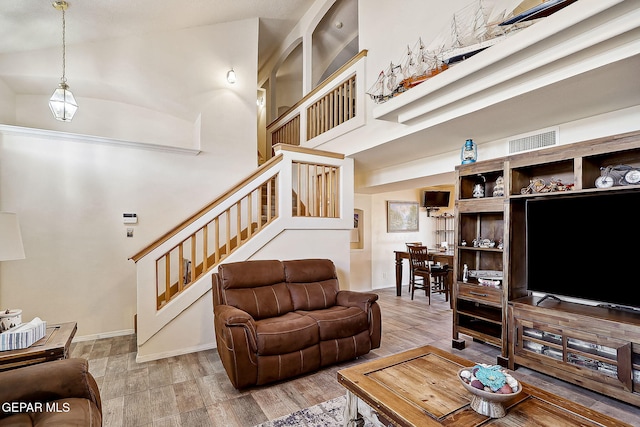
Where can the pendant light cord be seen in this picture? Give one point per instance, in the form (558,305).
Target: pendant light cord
(64,49)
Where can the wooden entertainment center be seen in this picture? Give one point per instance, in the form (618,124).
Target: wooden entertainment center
(595,347)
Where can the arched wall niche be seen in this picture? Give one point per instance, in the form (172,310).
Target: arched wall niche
(334,40)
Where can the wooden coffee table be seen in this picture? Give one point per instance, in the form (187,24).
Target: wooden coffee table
(53,346)
(420,388)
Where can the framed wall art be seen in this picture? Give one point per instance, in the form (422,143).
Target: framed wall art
(402,216)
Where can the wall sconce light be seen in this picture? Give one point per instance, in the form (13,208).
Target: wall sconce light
(231,76)
(260,102)
(62,103)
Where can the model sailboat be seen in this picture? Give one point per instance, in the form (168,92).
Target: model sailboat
(473,29)
(478,27)
(418,65)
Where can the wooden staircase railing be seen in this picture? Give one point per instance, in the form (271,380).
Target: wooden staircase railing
(205,248)
(314,190)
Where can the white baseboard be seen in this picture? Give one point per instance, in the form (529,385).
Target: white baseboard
(165,354)
(103,335)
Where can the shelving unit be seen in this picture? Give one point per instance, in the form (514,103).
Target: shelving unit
(482,312)
(444,229)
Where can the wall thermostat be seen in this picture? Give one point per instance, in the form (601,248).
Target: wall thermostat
(130,218)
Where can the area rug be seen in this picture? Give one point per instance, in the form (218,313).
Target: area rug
(329,413)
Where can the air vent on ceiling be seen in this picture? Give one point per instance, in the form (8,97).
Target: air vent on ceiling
(533,141)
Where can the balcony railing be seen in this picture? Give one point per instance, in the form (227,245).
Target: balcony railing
(331,107)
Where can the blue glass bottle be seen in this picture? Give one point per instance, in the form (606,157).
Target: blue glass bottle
(469,152)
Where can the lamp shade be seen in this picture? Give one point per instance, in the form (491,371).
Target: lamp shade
(62,103)
(10,238)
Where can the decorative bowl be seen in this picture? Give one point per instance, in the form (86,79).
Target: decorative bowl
(487,402)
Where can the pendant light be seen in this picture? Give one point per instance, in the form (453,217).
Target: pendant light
(62,103)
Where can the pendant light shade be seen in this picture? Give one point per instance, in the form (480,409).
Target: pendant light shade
(62,103)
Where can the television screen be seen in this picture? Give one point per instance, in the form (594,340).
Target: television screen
(436,199)
(585,246)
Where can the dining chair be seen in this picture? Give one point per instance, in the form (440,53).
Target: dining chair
(411,276)
(421,268)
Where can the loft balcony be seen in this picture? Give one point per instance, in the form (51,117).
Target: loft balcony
(576,64)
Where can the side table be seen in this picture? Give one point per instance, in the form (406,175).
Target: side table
(53,346)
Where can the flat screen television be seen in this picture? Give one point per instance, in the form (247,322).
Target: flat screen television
(435,199)
(585,246)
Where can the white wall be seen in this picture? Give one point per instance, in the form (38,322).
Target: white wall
(70,196)
(8,104)
(361,258)
(384,243)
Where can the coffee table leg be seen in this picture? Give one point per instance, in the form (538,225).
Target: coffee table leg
(351,416)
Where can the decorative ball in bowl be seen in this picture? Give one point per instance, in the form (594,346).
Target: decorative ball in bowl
(490,386)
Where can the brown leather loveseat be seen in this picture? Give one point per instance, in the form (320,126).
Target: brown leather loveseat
(61,393)
(278,319)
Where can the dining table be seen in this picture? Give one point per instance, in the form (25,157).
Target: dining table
(443,257)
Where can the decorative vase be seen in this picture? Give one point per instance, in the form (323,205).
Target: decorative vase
(469,152)
(478,187)
(9,319)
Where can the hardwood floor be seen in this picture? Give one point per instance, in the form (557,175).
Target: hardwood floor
(193,389)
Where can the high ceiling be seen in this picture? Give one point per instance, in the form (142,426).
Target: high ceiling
(34,24)
(124,51)
(133,52)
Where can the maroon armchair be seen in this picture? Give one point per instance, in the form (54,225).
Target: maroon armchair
(279,319)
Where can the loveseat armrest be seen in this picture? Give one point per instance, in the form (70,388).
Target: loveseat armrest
(47,382)
(228,316)
(362,300)
(366,301)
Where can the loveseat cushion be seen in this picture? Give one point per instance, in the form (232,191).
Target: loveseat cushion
(313,283)
(256,287)
(262,302)
(339,322)
(309,270)
(313,296)
(249,274)
(285,334)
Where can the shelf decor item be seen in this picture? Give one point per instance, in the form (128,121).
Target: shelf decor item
(617,175)
(10,319)
(490,386)
(479,187)
(469,152)
(539,185)
(498,189)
